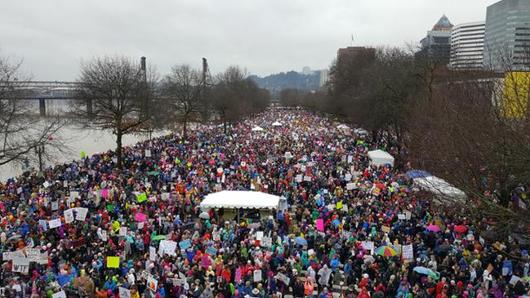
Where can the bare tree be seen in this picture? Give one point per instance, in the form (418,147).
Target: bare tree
(184,88)
(235,96)
(116,89)
(22,133)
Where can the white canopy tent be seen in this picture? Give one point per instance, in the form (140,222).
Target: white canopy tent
(438,187)
(257,128)
(233,199)
(277,123)
(360,131)
(380,158)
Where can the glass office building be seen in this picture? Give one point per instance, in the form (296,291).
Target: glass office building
(507,36)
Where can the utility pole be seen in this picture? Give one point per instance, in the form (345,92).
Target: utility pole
(143,69)
(205,104)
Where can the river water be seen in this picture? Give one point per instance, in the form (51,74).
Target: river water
(77,140)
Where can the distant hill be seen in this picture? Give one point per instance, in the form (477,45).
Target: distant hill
(275,83)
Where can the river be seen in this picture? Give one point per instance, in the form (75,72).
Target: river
(77,140)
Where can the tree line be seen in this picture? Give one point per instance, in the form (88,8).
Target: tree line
(119,94)
(472,128)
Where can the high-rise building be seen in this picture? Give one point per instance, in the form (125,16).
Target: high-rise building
(467,46)
(507,36)
(324,76)
(436,45)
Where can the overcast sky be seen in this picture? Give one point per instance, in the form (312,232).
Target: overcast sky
(264,36)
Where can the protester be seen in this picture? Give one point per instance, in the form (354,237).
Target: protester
(89,229)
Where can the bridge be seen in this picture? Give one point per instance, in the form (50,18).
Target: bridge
(56,95)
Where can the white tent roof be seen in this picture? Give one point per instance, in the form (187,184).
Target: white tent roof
(257,128)
(277,123)
(360,131)
(240,199)
(380,157)
(439,187)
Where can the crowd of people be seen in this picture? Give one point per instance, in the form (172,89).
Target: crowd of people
(88,229)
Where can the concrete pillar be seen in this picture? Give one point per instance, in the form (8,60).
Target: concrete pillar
(42,106)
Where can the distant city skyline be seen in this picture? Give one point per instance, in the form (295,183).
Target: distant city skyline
(264,37)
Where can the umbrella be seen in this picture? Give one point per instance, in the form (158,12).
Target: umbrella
(386,251)
(277,123)
(460,229)
(426,271)
(300,241)
(257,128)
(433,228)
(204,215)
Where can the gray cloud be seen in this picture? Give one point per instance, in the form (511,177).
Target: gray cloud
(265,36)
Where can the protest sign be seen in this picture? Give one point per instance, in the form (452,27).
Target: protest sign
(55,206)
(21,265)
(368,245)
(350,186)
(320,224)
(10,255)
(81,213)
(124,293)
(54,223)
(142,197)
(401,216)
(43,224)
(286,280)
(407,252)
(60,294)
(152,253)
(339,205)
(167,247)
(185,244)
(266,242)
(152,283)
(257,275)
(68,215)
(514,279)
(211,251)
(123,231)
(259,235)
(307,178)
(298,178)
(102,235)
(147,153)
(113,262)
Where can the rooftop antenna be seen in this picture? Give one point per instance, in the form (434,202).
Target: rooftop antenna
(352,40)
